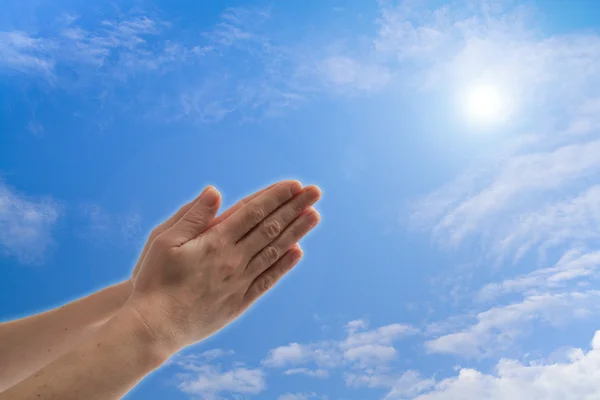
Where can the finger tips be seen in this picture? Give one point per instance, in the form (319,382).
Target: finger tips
(295,187)
(312,216)
(313,191)
(296,252)
(211,197)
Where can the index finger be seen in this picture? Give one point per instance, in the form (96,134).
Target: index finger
(227,213)
(251,214)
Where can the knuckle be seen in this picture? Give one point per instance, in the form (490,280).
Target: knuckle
(255,215)
(284,196)
(195,218)
(228,269)
(213,245)
(161,242)
(297,208)
(269,255)
(271,229)
(301,227)
(266,283)
(156,232)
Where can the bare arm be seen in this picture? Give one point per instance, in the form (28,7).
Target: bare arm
(196,278)
(105,365)
(28,344)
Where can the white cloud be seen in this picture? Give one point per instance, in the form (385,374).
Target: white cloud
(317,373)
(573,265)
(575,220)
(401,385)
(301,396)
(575,379)
(360,348)
(24,53)
(518,187)
(291,354)
(364,355)
(370,354)
(384,335)
(216,353)
(408,385)
(100,56)
(189,360)
(239,26)
(122,38)
(356,325)
(26,224)
(209,381)
(111,46)
(499,327)
(552,83)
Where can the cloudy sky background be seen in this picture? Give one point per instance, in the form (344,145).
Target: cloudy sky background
(456,259)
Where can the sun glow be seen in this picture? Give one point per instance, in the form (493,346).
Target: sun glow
(485,104)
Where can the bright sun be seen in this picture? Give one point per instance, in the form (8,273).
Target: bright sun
(485,104)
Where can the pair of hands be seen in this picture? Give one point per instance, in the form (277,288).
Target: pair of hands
(198,272)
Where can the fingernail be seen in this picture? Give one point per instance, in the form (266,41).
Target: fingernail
(295,187)
(210,196)
(316,191)
(298,253)
(314,217)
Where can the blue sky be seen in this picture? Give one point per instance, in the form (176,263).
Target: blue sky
(458,255)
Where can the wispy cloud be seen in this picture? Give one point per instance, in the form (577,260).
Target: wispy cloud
(209,381)
(518,187)
(573,266)
(301,396)
(573,221)
(346,74)
(537,196)
(553,88)
(100,225)
(499,327)
(26,224)
(205,85)
(200,378)
(316,373)
(364,355)
(113,47)
(361,348)
(409,385)
(24,53)
(573,379)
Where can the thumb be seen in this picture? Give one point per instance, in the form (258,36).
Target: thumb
(198,217)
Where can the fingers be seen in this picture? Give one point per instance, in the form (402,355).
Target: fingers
(231,210)
(183,210)
(179,214)
(269,278)
(290,236)
(240,223)
(159,230)
(272,226)
(197,219)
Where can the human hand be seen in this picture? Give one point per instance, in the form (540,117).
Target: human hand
(178,215)
(197,278)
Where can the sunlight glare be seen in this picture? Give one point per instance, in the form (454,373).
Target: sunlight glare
(485,104)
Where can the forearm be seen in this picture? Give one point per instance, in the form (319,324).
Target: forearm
(103,366)
(28,344)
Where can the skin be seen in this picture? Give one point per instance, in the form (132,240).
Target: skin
(196,274)
(30,343)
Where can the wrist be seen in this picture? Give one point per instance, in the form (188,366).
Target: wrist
(150,331)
